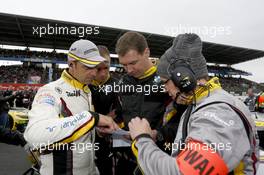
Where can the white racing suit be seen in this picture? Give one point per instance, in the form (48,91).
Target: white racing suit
(59,118)
(223,145)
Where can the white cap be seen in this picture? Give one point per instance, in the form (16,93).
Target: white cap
(86,52)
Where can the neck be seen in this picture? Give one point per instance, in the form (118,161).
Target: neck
(149,71)
(149,64)
(71,72)
(204,88)
(67,77)
(201,83)
(97,82)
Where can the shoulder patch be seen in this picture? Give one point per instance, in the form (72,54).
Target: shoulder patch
(200,161)
(46,98)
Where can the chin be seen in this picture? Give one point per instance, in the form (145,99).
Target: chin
(131,74)
(136,75)
(180,102)
(103,79)
(88,82)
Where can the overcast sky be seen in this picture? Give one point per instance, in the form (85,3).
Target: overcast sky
(232,22)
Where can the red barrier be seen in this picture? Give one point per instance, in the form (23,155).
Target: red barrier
(16,86)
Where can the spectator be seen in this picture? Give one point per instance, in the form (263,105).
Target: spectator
(11,137)
(260,103)
(250,100)
(4,108)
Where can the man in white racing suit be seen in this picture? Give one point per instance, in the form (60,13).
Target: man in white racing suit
(61,122)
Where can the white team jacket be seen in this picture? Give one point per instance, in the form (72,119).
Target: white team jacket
(59,115)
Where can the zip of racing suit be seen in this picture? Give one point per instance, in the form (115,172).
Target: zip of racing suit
(218,130)
(62,128)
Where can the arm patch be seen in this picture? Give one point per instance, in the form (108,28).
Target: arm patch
(199,161)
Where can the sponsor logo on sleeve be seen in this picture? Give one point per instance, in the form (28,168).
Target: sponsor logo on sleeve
(46,98)
(58,90)
(213,116)
(77,118)
(51,129)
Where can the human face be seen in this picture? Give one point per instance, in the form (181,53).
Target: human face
(83,73)
(174,92)
(134,62)
(250,92)
(170,87)
(103,72)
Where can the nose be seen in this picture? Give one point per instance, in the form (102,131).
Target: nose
(129,69)
(93,73)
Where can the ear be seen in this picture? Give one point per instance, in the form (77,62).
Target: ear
(71,64)
(147,52)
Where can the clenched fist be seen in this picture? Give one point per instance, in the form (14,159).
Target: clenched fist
(139,126)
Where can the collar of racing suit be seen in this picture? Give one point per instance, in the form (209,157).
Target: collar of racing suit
(205,90)
(149,72)
(74,82)
(98,83)
(200,93)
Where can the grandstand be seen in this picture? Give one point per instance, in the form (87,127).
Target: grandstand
(19,31)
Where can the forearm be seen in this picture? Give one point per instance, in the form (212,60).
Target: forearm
(60,130)
(152,160)
(11,137)
(8,98)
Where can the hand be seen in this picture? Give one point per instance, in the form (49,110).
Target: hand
(139,126)
(112,114)
(106,125)
(15,93)
(184,98)
(100,133)
(33,155)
